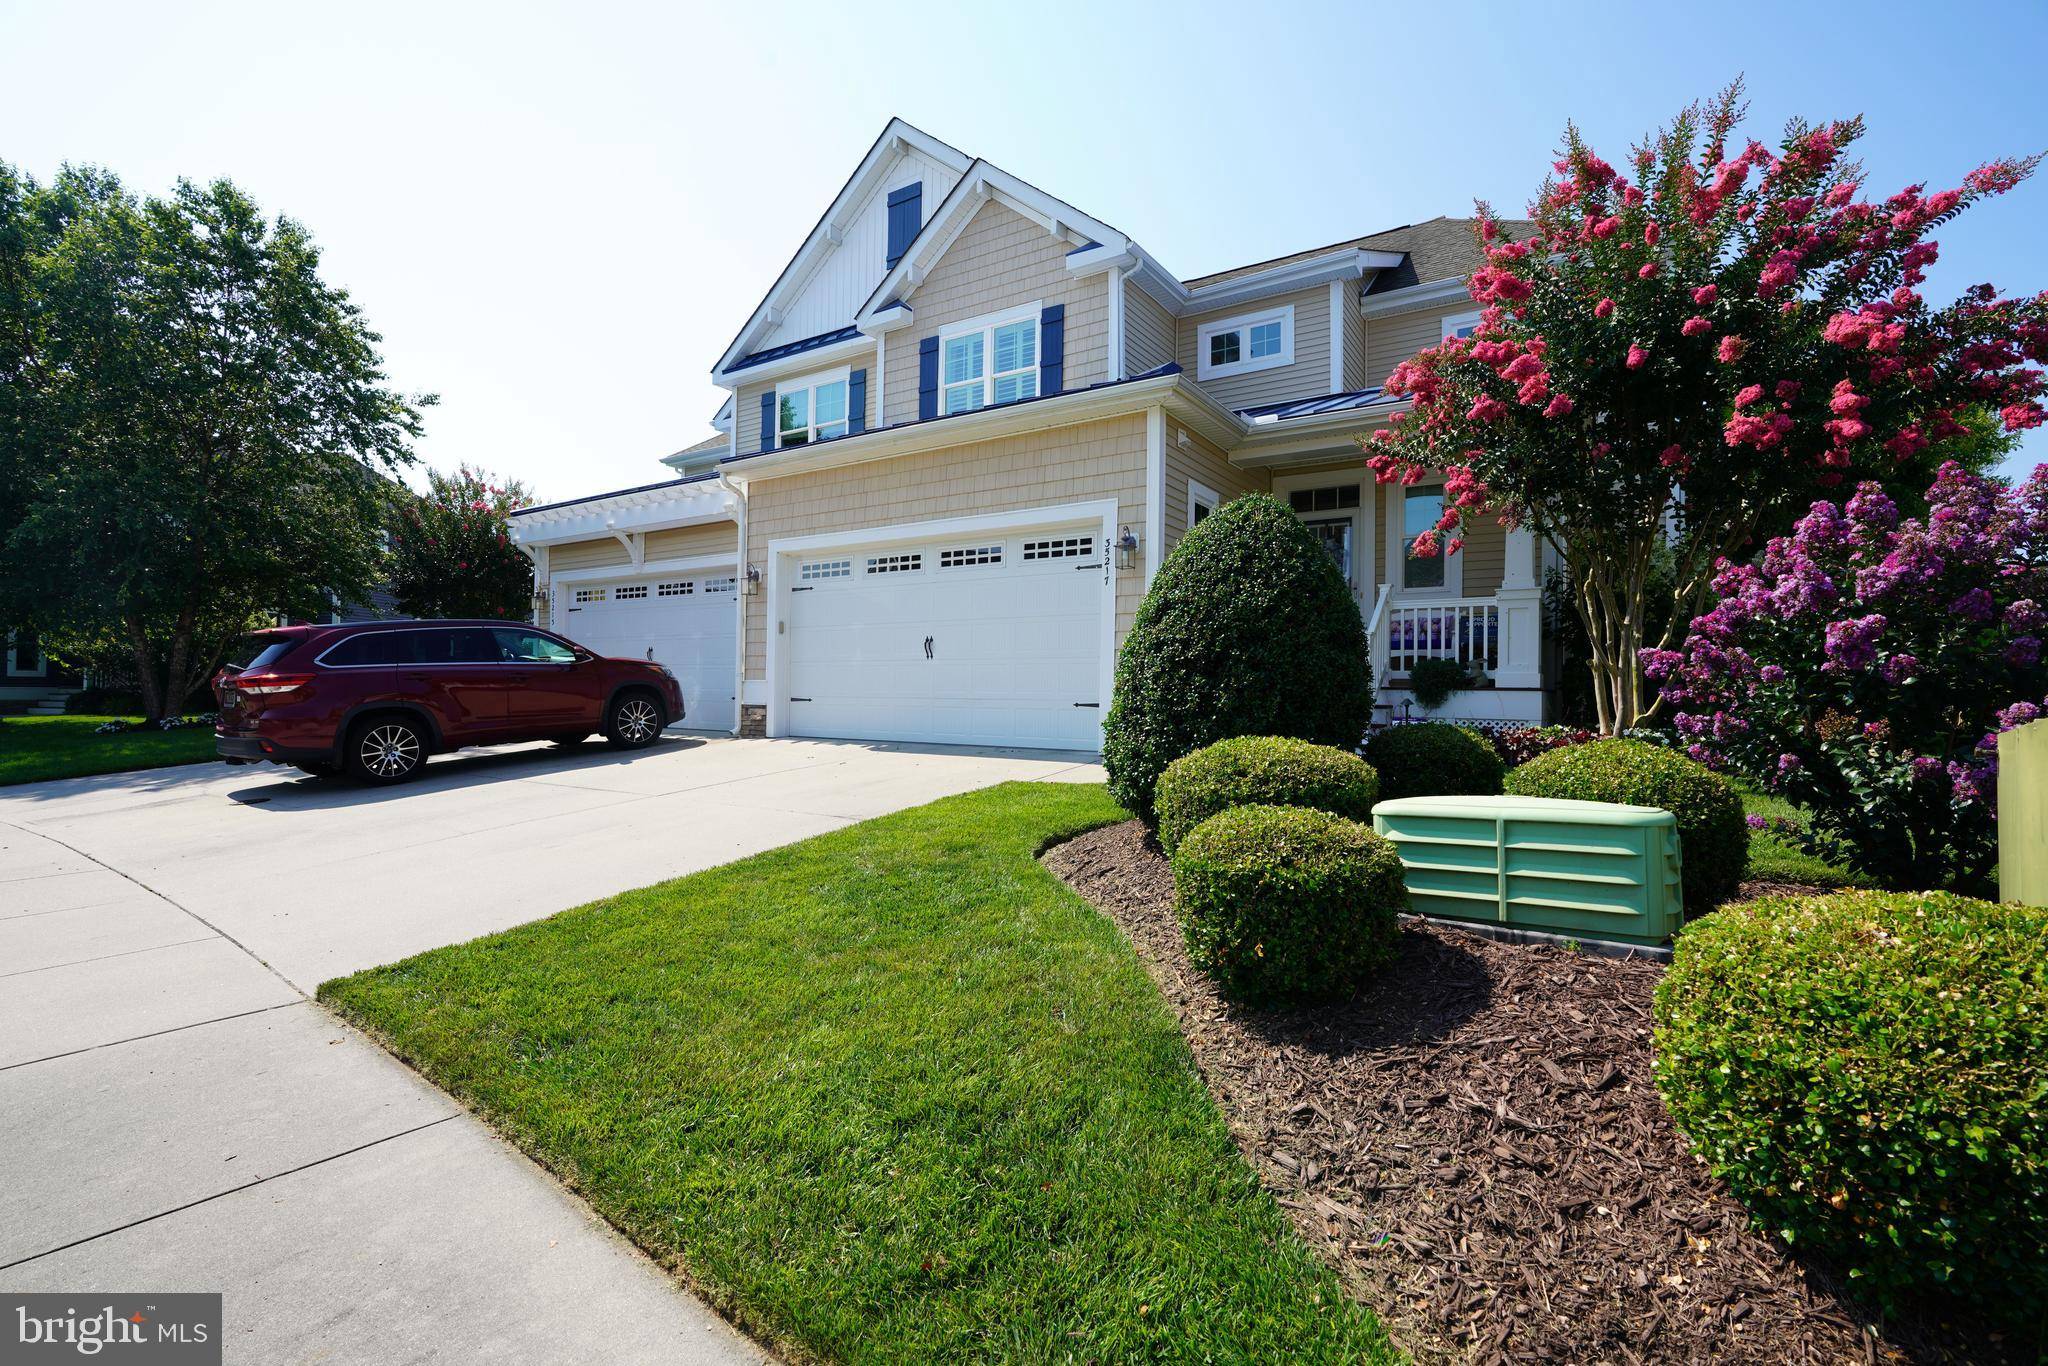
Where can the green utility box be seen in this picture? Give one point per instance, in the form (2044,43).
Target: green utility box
(1591,869)
(2023,814)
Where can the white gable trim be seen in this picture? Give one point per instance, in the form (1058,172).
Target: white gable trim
(831,228)
(981,184)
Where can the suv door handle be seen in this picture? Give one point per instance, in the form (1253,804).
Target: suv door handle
(516,678)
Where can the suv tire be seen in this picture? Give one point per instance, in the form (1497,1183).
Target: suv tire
(386,749)
(634,720)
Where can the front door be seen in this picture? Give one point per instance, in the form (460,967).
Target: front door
(1336,535)
(1331,505)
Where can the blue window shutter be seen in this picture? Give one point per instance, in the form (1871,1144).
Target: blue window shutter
(856,402)
(1052,348)
(927,379)
(906,216)
(768,421)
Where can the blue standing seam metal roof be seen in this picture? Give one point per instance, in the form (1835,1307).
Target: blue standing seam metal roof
(795,348)
(1309,407)
(615,493)
(1170,368)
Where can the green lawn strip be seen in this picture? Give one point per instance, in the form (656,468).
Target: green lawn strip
(889,1094)
(1774,857)
(34,749)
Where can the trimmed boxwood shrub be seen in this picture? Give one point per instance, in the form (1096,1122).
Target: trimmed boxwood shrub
(1434,759)
(1261,770)
(1865,1070)
(1286,906)
(1713,837)
(1248,630)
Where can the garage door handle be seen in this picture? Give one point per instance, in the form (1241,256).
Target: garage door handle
(927,647)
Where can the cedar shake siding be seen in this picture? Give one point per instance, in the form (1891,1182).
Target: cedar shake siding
(1307,377)
(1000,261)
(1203,463)
(1083,463)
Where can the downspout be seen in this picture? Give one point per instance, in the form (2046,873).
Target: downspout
(739,664)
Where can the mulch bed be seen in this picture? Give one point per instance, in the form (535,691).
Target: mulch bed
(1477,1146)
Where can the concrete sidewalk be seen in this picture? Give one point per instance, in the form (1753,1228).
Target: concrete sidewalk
(176,1114)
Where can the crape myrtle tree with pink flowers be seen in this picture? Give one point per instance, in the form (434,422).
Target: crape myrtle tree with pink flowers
(1676,361)
(451,549)
(1865,665)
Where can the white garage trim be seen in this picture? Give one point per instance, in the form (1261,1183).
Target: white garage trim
(1101,512)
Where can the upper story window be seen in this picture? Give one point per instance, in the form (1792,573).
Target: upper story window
(1460,325)
(810,409)
(989,361)
(1237,346)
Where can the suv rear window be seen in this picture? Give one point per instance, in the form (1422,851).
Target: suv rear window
(260,652)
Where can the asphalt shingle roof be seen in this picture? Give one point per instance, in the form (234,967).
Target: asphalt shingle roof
(1440,249)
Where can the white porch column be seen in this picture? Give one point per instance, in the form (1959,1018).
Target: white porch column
(1521,615)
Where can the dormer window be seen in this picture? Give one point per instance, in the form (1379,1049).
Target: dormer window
(989,361)
(1460,325)
(810,409)
(1238,346)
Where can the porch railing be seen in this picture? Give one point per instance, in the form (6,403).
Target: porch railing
(1464,629)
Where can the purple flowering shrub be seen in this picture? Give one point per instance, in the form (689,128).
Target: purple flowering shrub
(1864,667)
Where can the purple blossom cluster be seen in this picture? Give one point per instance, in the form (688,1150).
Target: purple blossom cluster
(1865,666)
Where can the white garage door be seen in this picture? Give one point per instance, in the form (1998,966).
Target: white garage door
(686,620)
(982,640)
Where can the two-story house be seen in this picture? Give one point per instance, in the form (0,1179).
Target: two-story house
(963,427)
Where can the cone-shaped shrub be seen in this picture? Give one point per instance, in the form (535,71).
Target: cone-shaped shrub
(1248,630)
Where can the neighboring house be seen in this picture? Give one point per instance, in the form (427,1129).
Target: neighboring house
(29,679)
(963,428)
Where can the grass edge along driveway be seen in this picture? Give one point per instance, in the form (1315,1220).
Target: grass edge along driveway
(35,749)
(891,1093)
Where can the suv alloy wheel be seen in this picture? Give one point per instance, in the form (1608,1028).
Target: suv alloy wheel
(387,749)
(633,720)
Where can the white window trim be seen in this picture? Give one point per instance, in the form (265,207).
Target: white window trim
(1200,494)
(1246,364)
(1397,548)
(987,325)
(844,374)
(1454,321)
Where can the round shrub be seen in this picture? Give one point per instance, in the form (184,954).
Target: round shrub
(1285,906)
(1864,1070)
(1434,759)
(1713,837)
(1261,770)
(1248,630)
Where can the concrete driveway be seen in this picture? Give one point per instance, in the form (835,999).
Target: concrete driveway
(177,1114)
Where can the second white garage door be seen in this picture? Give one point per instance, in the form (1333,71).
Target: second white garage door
(686,621)
(992,639)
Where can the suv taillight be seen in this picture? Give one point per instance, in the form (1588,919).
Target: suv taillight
(269,684)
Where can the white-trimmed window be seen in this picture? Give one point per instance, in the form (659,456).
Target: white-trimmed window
(1202,502)
(810,409)
(1238,346)
(1460,325)
(987,361)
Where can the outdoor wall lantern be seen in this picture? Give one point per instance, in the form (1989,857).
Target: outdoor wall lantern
(753,581)
(1126,550)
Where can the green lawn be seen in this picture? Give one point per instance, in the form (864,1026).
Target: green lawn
(890,1094)
(33,748)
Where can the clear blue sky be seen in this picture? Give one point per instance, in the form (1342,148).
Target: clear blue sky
(558,215)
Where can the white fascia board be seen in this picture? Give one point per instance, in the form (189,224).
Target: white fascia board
(893,318)
(1415,296)
(982,183)
(896,137)
(654,510)
(802,363)
(1350,264)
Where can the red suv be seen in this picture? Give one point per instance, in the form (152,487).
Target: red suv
(374,699)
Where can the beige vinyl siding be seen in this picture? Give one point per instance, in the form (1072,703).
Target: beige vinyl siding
(688,542)
(601,553)
(1000,261)
(1204,463)
(1393,338)
(1354,339)
(1083,463)
(1148,332)
(1307,377)
(746,413)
